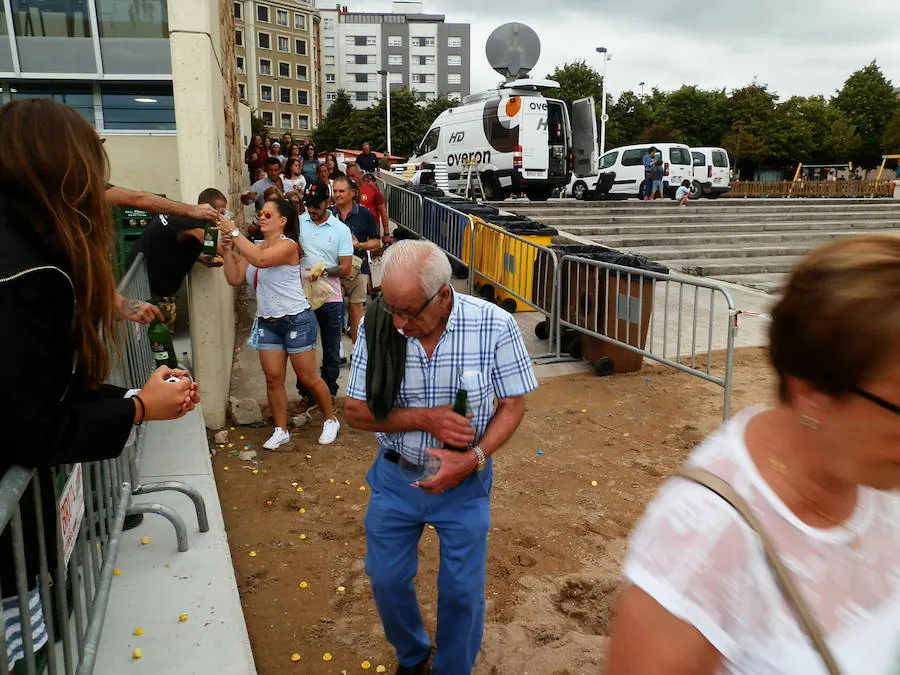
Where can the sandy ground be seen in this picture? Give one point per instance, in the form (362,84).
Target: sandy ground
(556,544)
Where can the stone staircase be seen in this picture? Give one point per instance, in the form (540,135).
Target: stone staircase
(753,242)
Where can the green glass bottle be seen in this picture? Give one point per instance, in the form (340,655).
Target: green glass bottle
(210,239)
(161,344)
(460,407)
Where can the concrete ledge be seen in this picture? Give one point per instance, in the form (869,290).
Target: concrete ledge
(158,584)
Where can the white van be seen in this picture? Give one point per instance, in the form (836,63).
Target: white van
(627,162)
(712,172)
(514,138)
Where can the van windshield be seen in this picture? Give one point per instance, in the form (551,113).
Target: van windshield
(679,156)
(555,125)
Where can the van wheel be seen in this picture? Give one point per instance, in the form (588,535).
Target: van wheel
(579,189)
(538,194)
(696,190)
(640,194)
(493,191)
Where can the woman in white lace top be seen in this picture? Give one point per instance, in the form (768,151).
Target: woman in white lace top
(820,470)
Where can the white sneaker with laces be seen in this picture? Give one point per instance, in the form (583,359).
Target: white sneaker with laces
(277,439)
(329,431)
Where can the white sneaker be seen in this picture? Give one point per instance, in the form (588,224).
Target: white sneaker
(277,439)
(329,431)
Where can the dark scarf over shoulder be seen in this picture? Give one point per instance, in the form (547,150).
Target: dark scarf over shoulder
(386,360)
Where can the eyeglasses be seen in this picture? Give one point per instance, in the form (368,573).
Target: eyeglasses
(411,316)
(877,400)
(265,214)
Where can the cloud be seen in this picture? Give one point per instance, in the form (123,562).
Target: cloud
(797,47)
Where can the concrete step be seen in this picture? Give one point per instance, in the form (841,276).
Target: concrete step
(563,219)
(702,253)
(513,204)
(768,283)
(789,237)
(669,208)
(731,228)
(720,267)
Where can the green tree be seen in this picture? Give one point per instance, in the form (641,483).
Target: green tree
(408,124)
(436,106)
(868,101)
(332,132)
(698,115)
(257,125)
(890,140)
(629,116)
(577,80)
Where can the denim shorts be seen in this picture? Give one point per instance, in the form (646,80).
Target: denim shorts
(657,186)
(293,334)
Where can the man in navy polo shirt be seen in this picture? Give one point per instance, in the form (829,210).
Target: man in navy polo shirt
(365,238)
(324,237)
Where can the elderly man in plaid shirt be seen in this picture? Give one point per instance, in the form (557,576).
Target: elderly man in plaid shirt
(452,341)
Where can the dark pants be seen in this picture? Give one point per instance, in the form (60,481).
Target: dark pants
(330,318)
(648,184)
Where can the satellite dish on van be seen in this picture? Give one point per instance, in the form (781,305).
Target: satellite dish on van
(512,50)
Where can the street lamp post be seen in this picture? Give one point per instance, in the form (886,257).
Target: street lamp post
(387,94)
(641,85)
(603,116)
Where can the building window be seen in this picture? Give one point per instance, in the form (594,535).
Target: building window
(302,73)
(454,42)
(78,96)
(454,60)
(300,47)
(237,11)
(284,69)
(299,22)
(262,13)
(284,44)
(265,92)
(395,78)
(265,67)
(362,96)
(264,40)
(395,40)
(423,95)
(454,78)
(302,97)
(454,96)
(242,91)
(329,43)
(329,61)
(239,37)
(360,59)
(303,122)
(331,96)
(361,77)
(240,65)
(284,95)
(268,118)
(287,121)
(330,78)
(328,24)
(395,59)
(282,17)
(422,41)
(143,107)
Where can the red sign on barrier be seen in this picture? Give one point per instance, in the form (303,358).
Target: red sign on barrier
(71,511)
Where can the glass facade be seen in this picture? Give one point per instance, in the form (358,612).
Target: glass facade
(78,96)
(134,36)
(138,107)
(6,62)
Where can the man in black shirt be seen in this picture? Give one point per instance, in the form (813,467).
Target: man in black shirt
(171,245)
(367,160)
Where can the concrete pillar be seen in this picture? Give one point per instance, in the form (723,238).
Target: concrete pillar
(203,63)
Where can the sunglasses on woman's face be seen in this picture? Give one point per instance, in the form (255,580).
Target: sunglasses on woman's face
(265,214)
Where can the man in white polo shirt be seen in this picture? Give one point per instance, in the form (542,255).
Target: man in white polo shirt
(324,237)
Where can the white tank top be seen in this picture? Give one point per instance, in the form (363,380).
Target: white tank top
(279,289)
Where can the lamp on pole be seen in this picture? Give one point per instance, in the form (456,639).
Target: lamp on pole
(641,85)
(387,95)
(603,116)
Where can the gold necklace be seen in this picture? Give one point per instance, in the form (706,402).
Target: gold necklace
(782,469)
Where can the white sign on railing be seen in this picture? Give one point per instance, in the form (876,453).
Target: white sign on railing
(71,511)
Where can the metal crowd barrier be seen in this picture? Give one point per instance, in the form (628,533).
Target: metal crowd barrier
(453,231)
(404,206)
(634,310)
(62,582)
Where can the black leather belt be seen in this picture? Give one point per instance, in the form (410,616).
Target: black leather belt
(395,457)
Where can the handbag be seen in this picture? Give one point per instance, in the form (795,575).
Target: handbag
(789,591)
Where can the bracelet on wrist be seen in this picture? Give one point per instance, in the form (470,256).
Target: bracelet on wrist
(137,399)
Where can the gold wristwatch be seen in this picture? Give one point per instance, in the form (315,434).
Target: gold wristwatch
(481,457)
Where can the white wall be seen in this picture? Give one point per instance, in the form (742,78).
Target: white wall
(145,163)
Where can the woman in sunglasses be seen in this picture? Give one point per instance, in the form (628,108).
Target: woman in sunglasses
(285,327)
(819,470)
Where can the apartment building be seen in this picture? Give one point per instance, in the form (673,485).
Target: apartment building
(278,64)
(419,51)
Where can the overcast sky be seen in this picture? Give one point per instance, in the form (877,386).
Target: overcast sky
(799,47)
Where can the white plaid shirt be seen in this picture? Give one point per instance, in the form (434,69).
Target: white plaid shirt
(480,340)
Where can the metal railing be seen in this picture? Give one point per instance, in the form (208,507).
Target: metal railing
(62,530)
(404,206)
(453,231)
(674,320)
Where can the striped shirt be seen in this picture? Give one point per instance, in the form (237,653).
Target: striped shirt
(481,351)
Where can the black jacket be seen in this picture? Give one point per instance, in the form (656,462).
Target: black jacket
(50,419)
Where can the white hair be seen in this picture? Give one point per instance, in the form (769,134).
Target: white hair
(422,257)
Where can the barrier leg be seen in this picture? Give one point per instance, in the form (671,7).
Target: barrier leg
(170,515)
(187,490)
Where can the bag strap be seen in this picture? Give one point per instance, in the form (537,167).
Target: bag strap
(791,594)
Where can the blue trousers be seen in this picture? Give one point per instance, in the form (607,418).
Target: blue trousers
(394,521)
(330,318)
